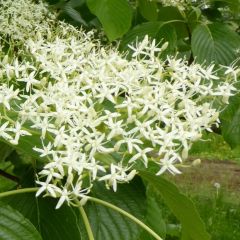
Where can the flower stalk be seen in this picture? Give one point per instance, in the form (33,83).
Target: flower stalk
(86,222)
(18,191)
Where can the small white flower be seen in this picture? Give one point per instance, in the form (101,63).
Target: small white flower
(116,128)
(167,163)
(50,173)
(17,130)
(232,70)
(142,154)
(64,198)
(131,144)
(118,174)
(208,73)
(49,188)
(113,177)
(7,94)
(3,131)
(45,151)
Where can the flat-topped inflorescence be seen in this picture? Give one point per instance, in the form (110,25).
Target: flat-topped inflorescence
(99,116)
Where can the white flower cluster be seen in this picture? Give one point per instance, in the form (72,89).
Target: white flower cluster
(181,4)
(23,19)
(100,116)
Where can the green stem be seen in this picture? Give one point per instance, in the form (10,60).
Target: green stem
(137,221)
(86,222)
(18,191)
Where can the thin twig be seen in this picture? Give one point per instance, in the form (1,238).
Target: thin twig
(9,176)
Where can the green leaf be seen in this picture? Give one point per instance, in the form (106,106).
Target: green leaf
(6,184)
(173,230)
(173,15)
(154,220)
(27,143)
(148,9)
(193,17)
(206,147)
(114,15)
(167,33)
(169,13)
(185,235)
(76,3)
(182,207)
(106,223)
(230,122)
(215,43)
(55,224)
(74,14)
(58,224)
(5,151)
(13,225)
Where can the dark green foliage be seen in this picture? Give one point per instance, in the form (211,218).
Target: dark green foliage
(230,119)
(108,224)
(14,226)
(215,43)
(206,33)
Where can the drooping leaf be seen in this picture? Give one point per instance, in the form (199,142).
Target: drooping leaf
(14,226)
(230,122)
(58,224)
(114,15)
(182,207)
(108,224)
(148,9)
(215,43)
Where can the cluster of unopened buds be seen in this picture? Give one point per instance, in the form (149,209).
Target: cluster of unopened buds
(97,115)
